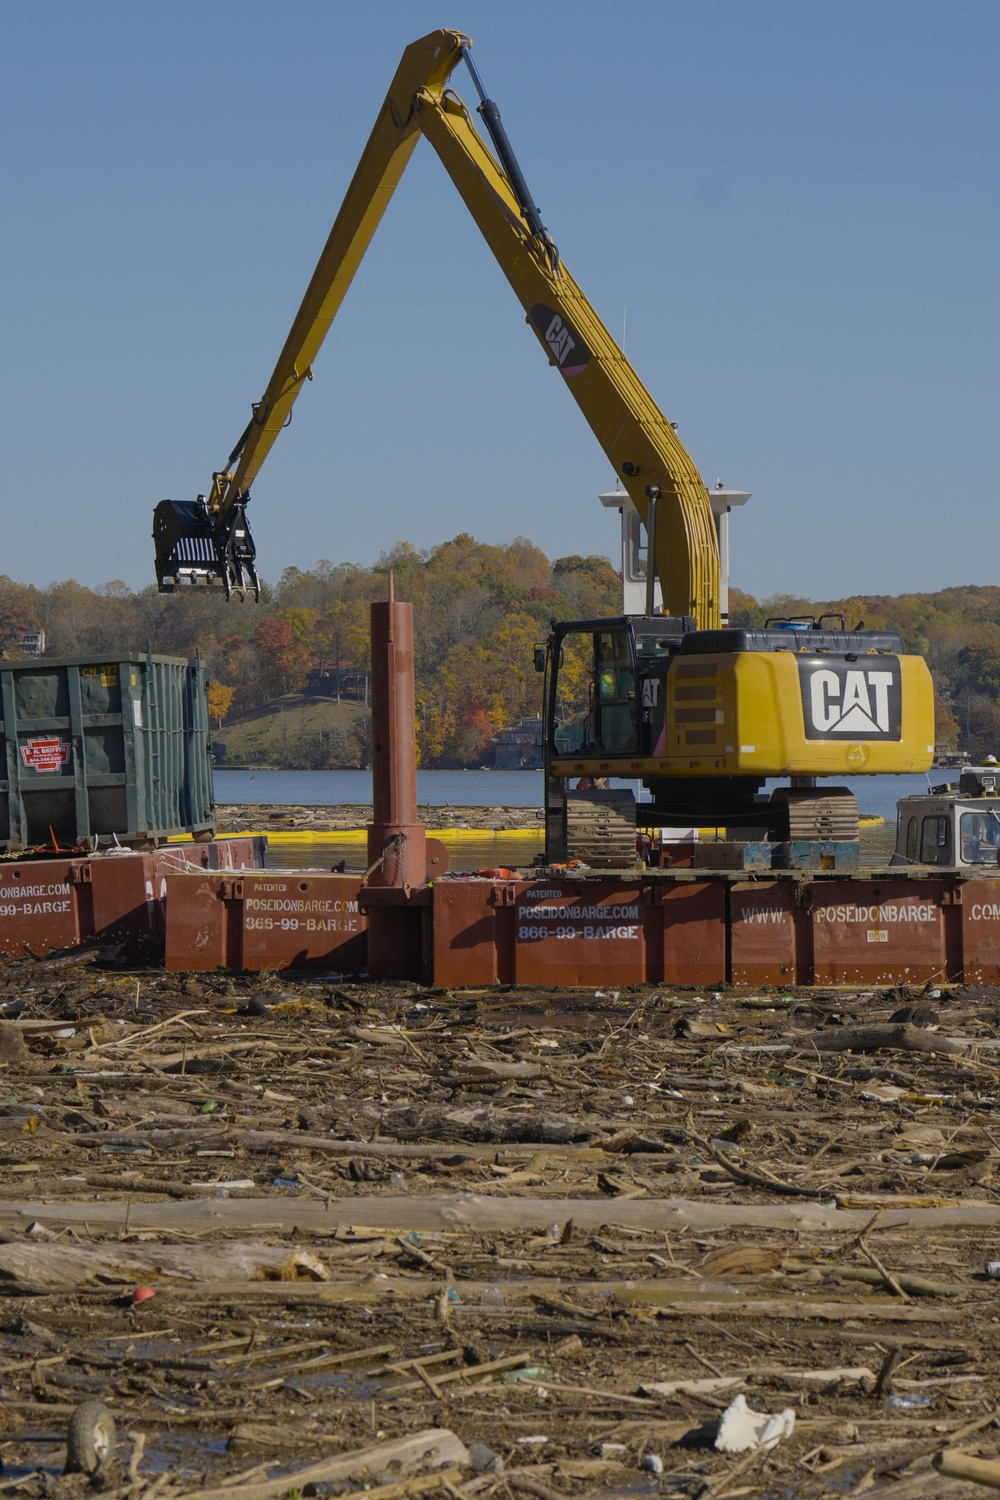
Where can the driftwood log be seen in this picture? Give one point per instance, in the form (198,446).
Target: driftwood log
(963,1466)
(479,1213)
(902,1037)
(77,1265)
(433,1447)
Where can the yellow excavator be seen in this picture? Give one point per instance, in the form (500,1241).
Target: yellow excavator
(701,714)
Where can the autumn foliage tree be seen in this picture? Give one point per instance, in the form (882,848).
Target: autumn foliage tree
(278,655)
(341,637)
(220,698)
(479,609)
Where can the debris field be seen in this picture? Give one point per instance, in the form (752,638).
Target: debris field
(243,817)
(318,1237)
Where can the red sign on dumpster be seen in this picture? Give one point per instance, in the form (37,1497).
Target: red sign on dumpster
(46,753)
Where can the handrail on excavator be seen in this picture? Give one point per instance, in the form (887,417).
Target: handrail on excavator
(208,541)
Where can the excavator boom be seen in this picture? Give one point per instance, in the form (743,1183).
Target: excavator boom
(207,541)
(702,715)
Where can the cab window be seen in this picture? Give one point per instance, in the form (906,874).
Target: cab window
(978,834)
(911,840)
(935,842)
(614,716)
(573,709)
(595,694)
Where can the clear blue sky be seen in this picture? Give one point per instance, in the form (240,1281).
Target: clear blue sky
(797,203)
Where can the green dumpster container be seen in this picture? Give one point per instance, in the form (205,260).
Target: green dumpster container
(103,750)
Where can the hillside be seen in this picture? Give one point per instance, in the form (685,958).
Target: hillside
(296,732)
(478,611)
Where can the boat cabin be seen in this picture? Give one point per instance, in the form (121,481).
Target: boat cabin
(953,826)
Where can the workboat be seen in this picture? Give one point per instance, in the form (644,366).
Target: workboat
(955,826)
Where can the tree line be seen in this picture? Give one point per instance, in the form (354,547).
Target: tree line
(478,611)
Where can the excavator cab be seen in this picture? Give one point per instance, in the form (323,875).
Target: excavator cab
(609,685)
(196,548)
(603,722)
(702,718)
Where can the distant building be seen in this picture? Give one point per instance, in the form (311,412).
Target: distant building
(519,747)
(946,757)
(345,681)
(33,643)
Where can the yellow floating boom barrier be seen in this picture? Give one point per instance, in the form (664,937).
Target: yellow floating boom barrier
(281,836)
(296,836)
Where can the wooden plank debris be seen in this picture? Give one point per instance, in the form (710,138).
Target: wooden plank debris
(636,1220)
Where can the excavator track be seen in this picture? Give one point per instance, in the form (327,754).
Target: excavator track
(830,814)
(600,828)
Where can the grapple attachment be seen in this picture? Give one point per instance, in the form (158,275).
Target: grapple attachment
(195,547)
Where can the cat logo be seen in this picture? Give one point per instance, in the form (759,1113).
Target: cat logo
(557,336)
(565,346)
(853,699)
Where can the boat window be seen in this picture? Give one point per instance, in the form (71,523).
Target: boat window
(911,839)
(935,842)
(979,835)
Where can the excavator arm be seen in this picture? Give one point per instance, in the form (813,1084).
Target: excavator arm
(208,540)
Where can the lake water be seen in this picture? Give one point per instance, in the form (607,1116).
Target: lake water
(327,788)
(434,789)
(876,794)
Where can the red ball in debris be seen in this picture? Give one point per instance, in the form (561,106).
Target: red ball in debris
(142,1294)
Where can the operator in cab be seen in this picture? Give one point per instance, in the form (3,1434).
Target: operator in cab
(980,838)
